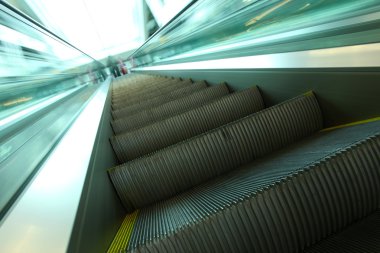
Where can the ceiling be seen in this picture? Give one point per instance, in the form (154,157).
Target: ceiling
(97,27)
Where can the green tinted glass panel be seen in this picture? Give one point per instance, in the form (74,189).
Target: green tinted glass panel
(34,64)
(219,29)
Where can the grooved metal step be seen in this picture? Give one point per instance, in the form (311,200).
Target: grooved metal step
(284,202)
(163,133)
(135,80)
(174,93)
(320,194)
(144,94)
(159,100)
(141,82)
(180,167)
(362,237)
(138,82)
(168,109)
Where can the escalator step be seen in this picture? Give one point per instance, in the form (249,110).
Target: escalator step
(132,79)
(362,237)
(136,81)
(158,100)
(141,98)
(179,167)
(134,84)
(132,92)
(169,109)
(144,94)
(145,140)
(124,101)
(284,202)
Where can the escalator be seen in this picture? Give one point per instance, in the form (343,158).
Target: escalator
(244,126)
(227,174)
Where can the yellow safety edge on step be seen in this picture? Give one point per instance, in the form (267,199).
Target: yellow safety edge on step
(308,93)
(351,124)
(121,240)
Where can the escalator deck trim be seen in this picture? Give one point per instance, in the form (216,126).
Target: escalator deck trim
(351,124)
(121,240)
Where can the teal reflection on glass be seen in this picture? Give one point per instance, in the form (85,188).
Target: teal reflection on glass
(217,29)
(35,65)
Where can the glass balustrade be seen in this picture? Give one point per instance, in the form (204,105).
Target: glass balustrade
(231,28)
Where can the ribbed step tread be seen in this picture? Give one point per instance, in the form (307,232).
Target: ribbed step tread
(144,87)
(159,100)
(139,81)
(153,137)
(169,109)
(135,83)
(131,80)
(144,94)
(176,92)
(362,237)
(179,167)
(285,202)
